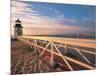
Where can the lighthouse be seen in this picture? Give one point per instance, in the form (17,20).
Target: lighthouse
(18,29)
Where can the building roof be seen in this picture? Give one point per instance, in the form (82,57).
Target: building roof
(18,25)
(18,20)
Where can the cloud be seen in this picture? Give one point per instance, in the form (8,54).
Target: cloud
(34,23)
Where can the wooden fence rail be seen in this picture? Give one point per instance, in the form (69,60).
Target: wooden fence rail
(53,45)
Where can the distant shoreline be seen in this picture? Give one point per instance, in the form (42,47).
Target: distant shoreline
(62,36)
(80,37)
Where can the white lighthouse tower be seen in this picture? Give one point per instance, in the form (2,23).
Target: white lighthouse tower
(18,29)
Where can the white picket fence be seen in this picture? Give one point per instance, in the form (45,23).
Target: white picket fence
(54,44)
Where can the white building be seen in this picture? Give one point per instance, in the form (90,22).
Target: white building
(18,29)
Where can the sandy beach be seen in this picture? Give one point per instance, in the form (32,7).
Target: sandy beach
(23,60)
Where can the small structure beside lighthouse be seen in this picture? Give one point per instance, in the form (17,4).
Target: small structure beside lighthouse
(18,29)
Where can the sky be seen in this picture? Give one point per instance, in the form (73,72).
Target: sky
(40,18)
